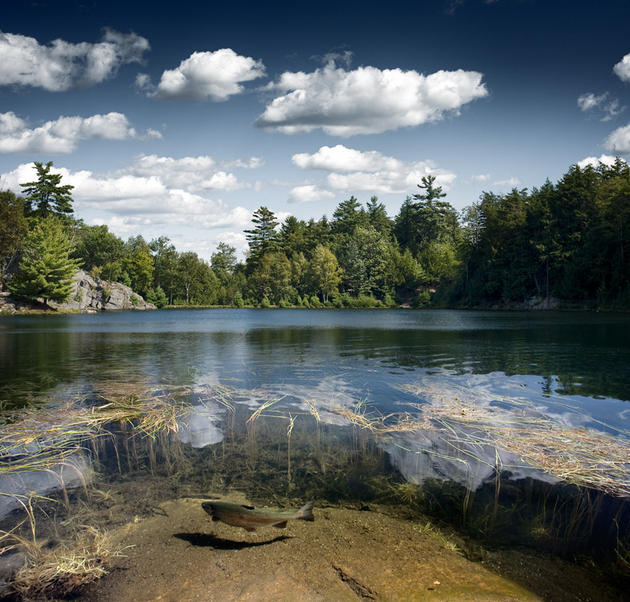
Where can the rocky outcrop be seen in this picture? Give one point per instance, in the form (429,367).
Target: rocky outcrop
(534,303)
(91,294)
(88,295)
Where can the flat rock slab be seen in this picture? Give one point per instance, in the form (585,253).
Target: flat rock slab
(344,555)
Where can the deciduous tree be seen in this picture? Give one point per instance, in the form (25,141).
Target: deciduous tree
(325,270)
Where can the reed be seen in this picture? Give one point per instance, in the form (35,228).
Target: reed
(289,431)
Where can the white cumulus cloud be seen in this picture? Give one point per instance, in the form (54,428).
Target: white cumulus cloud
(590,101)
(619,141)
(622,68)
(342,158)
(309,193)
(137,200)
(62,134)
(355,170)
(211,76)
(62,65)
(366,100)
(595,161)
(192,173)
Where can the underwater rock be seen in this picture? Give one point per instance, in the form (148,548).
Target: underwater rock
(74,471)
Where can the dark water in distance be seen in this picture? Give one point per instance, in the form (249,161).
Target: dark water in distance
(363,354)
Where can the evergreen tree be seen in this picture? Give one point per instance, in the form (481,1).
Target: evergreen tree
(46,196)
(157,296)
(262,238)
(293,236)
(227,269)
(406,226)
(432,193)
(46,267)
(223,262)
(318,232)
(377,216)
(348,216)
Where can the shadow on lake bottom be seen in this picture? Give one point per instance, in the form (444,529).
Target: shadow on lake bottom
(218,543)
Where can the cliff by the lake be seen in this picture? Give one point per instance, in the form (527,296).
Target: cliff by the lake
(89,295)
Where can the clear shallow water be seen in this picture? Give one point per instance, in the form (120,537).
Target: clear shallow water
(570,369)
(565,370)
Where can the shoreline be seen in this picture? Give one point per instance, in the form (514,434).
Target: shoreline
(42,311)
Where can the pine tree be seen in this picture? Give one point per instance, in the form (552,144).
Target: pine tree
(348,216)
(262,238)
(45,196)
(46,267)
(431,193)
(378,216)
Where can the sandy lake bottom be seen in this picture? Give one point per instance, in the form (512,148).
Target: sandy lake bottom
(345,554)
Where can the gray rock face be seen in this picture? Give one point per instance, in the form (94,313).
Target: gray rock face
(91,294)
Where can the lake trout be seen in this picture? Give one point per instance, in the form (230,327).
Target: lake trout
(250,518)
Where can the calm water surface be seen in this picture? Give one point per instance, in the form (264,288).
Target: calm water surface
(585,357)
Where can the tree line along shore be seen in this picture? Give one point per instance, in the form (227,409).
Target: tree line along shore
(566,243)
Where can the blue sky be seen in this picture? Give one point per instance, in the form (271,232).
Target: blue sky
(181,118)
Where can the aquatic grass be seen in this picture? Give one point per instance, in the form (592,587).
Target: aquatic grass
(312,408)
(44,439)
(435,533)
(61,571)
(260,411)
(579,456)
(223,396)
(289,431)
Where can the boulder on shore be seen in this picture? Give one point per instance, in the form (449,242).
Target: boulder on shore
(88,295)
(93,294)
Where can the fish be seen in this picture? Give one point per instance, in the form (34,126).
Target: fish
(250,518)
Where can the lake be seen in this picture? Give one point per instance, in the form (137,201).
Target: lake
(459,414)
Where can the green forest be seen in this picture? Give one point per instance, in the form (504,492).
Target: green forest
(568,241)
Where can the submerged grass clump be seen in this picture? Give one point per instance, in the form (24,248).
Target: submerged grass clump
(62,570)
(68,441)
(41,439)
